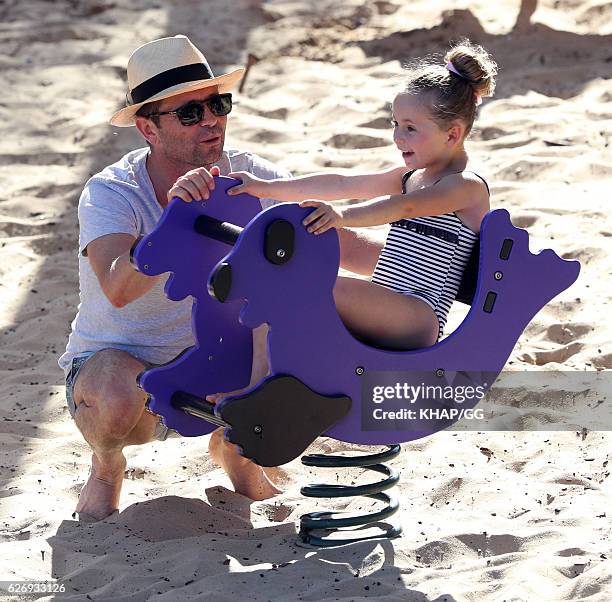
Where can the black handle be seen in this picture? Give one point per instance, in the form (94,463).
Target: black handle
(213,228)
(196,406)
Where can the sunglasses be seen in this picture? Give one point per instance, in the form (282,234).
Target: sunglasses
(193,112)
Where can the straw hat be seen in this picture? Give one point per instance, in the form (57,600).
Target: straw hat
(164,68)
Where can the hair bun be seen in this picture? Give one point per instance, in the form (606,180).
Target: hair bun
(475,65)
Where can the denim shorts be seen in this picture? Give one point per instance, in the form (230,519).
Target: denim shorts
(162,432)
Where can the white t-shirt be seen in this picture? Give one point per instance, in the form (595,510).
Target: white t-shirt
(120,199)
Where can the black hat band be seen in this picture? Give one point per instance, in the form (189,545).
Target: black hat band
(167,79)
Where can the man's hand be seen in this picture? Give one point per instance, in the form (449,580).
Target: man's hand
(324,217)
(195,185)
(250,184)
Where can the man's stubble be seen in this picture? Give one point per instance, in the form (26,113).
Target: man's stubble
(194,154)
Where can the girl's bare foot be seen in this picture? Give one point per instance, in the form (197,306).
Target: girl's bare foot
(217,397)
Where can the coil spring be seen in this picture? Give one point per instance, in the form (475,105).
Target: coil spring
(326,520)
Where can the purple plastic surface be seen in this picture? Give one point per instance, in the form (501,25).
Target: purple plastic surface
(307,338)
(222,357)
(309,341)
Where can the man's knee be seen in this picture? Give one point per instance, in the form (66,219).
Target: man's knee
(107,386)
(118,413)
(113,418)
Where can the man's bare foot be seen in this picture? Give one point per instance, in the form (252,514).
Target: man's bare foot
(248,478)
(99,497)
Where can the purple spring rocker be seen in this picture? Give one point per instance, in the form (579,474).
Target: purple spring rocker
(321,377)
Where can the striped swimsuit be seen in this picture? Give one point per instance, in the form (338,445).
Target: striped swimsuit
(425,257)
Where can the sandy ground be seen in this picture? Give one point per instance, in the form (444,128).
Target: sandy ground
(486,515)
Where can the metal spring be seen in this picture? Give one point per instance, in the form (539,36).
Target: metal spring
(326,521)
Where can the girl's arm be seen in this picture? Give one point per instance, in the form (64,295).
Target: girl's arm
(327,186)
(453,193)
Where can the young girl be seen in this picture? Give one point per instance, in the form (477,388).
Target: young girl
(434,204)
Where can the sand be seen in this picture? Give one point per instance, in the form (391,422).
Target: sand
(486,515)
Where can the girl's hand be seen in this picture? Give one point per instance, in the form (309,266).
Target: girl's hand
(195,185)
(250,184)
(324,217)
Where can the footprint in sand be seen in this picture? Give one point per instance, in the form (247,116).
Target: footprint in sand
(572,480)
(380,123)
(585,254)
(603,361)
(559,355)
(439,551)
(572,571)
(564,333)
(493,545)
(571,552)
(527,170)
(516,466)
(354,141)
(447,491)
(265,136)
(524,221)
(275,512)
(274,114)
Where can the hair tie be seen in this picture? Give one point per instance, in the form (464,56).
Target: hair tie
(451,68)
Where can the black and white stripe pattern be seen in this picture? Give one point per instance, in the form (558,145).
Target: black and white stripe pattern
(426,257)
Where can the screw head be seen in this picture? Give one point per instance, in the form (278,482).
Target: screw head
(359,370)
(146,266)
(498,275)
(440,372)
(280,253)
(257,429)
(149,244)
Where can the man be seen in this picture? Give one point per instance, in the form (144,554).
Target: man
(124,322)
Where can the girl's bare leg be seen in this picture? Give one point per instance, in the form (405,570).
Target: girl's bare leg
(384,318)
(359,249)
(373,313)
(248,478)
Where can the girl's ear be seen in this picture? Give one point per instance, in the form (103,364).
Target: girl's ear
(148,130)
(455,133)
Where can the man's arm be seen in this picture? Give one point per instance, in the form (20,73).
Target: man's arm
(110,260)
(109,254)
